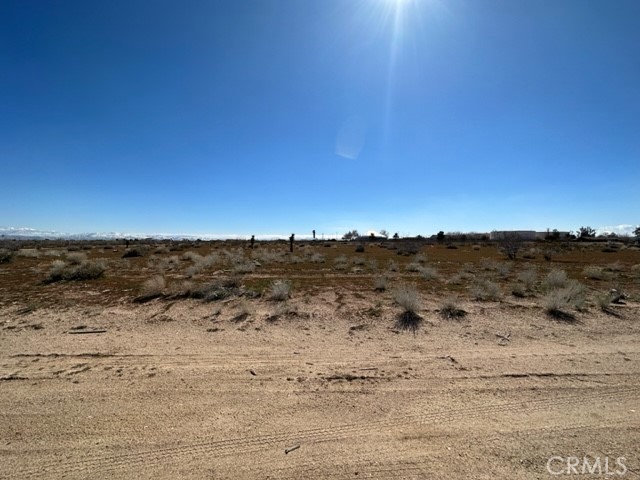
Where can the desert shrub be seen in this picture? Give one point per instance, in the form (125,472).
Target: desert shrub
(559,300)
(408,248)
(380,283)
(279,290)
(244,266)
(528,279)
(5,255)
(76,258)
(519,291)
(317,258)
(160,249)
(611,247)
(428,273)
(372,264)
(87,270)
(392,266)
(548,255)
(200,263)
(29,253)
(217,290)
(556,279)
(245,310)
(360,248)
(488,264)
(52,253)
(450,310)
(485,290)
(56,271)
(603,301)
(452,246)
(476,247)
(265,255)
(413,267)
(510,244)
(503,269)
(340,266)
(614,267)
(358,260)
(153,288)
(171,263)
(134,252)
(420,258)
(594,273)
(530,253)
(181,289)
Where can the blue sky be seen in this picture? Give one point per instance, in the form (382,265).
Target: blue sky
(279,116)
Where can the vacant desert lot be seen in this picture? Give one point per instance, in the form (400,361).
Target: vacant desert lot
(187,362)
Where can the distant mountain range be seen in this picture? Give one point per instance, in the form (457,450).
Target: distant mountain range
(24,233)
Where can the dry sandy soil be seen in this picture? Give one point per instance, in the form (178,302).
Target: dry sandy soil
(328,387)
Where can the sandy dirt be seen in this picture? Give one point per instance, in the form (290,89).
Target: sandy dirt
(185,389)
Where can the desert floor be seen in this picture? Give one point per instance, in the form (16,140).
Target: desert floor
(96,385)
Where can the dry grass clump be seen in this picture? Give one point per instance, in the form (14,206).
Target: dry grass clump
(393,266)
(86,270)
(284,309)
(556,279)
(219,289)
(409,299)
(279,290)
(380,283)
(484,289)
(450,310)
(429,273)
(460,278)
